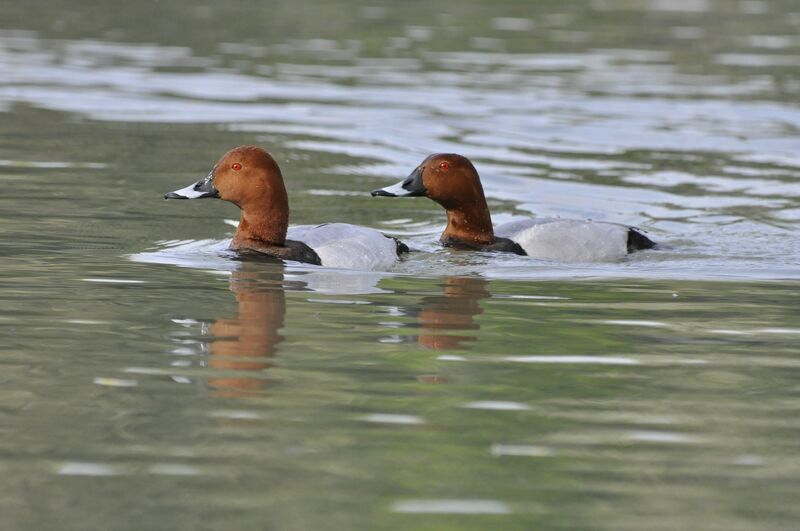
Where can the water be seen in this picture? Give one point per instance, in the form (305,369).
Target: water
(151,380)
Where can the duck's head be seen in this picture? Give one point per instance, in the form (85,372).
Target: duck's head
(452,181)
(247,176)
(449,179)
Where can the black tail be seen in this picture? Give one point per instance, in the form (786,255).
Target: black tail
(401,247)
(638,241)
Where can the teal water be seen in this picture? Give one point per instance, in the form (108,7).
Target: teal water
(151,381)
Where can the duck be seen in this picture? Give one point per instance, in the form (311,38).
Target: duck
(249,177)
(452,181)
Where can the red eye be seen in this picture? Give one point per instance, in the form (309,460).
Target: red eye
(445,166)
(236,166)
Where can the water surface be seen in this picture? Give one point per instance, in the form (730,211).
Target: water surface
(153,380)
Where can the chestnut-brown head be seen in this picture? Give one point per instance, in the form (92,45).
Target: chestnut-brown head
(250,178)
(452,181)
(243,175)
(247,176)
(449,179)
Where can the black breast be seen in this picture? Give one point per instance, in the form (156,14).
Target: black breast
(290,250)
(502,245)
(505,245)
(300,252)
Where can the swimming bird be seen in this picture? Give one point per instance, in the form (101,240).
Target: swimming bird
(452,181)
(249,177)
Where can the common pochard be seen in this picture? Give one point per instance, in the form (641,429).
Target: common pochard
(452,181)
(249,177)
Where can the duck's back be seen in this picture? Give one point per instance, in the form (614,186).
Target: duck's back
(347,246)
(571,240)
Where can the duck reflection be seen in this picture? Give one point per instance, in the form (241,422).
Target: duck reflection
(240,348)
(248,341)
(454,309)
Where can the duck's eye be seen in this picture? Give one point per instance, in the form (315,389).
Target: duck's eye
(445,166)
(236,166)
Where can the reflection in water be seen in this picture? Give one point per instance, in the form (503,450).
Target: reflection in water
(247,341)
(454,309)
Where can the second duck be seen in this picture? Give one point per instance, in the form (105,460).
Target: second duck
(452,181)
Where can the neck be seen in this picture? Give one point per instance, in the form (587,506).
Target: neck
(469,225)
(268,228)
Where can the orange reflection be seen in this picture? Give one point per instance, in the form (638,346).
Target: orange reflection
(247,341)
(454,309)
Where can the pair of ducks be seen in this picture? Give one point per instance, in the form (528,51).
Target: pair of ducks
(250,178)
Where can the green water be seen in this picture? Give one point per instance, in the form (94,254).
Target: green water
(152,381)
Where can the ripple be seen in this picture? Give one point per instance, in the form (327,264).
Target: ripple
(635,322)
(89,469)
(235,414)
(531,297)
(512,24)
(115,382)
(758,60)
(598,360)
(749,460)
(521,450)
(51,164)
(114,281)
(145,370)
(662,437)
(391,418)
(338,301)
(451,357)
(455,506)
(173,469)
(497,405)
(780,330)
